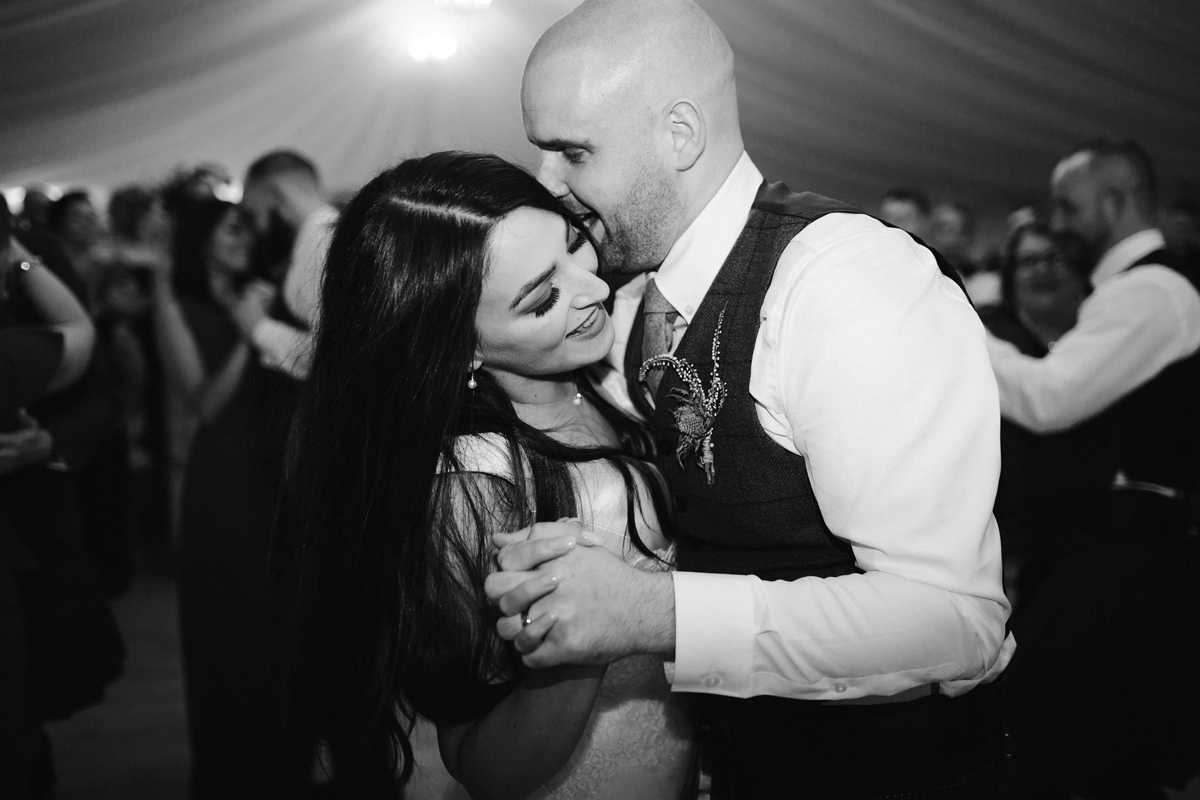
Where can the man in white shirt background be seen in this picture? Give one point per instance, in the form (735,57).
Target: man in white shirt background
(1126,600)
(284,184)
(837,610)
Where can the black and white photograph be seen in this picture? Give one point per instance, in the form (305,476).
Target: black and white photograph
(607,399)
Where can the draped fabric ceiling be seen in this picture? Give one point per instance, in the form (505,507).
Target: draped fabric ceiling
(971,99)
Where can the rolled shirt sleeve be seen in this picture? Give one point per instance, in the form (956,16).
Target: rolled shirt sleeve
(871,365)
(283,348)
(1133,326)
(302,284)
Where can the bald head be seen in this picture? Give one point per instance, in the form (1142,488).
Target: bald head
(633,105)
(647,51)
(1104,190)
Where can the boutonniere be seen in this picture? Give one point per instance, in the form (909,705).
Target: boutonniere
(696,409)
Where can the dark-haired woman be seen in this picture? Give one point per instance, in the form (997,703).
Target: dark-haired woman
(1048,483)
(229,494)
(449,400)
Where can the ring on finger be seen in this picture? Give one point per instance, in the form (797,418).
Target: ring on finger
(525,621)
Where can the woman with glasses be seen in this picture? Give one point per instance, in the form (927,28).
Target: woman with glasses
(1045,479)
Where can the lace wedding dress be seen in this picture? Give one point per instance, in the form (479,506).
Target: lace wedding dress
(637,744)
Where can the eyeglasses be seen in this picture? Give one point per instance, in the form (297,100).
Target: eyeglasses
(1041,260)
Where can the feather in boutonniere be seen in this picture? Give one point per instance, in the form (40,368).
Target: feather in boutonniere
(696,409)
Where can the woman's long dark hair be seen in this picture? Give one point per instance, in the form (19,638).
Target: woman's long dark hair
(195,222)
(383,546)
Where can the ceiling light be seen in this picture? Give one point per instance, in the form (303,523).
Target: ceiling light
(432,46)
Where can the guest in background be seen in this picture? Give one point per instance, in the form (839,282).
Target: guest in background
(73,219)
(86,421)
(1047,482)
(139,246)
(62,648)
(204,181)
(907,209)
(283,186)
(230,489)
(951,233)
(1124,604)
(35,209)
(1180,223)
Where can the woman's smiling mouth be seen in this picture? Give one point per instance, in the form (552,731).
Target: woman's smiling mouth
(589,326)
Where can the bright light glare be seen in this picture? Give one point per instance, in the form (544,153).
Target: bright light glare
(230,192)
(433,46)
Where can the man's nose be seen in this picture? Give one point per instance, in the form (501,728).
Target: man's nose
(549,175)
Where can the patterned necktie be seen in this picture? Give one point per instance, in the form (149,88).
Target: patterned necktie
(658,330)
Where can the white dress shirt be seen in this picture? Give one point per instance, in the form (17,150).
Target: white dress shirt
(871,365)
(281,346)
(1130,328)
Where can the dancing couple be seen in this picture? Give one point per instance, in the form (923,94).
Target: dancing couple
(732,521)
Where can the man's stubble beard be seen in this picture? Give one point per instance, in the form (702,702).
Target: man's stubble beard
(638,236)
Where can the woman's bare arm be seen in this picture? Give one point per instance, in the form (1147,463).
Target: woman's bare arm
(525,739)
(206,395)
(59,309)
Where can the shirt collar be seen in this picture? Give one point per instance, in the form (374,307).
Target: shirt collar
(1124,253)
(696,257)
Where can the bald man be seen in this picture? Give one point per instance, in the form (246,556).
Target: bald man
(837,613)
(1126,601)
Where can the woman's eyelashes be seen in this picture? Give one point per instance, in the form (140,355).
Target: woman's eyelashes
(543,308)
(577,241)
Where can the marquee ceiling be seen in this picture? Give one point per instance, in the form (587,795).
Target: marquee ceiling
(965,98)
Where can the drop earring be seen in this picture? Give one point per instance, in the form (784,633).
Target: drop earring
(471,384)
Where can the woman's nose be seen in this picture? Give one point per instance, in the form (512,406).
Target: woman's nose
(592,290)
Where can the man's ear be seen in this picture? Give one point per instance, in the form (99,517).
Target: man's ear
(688,133)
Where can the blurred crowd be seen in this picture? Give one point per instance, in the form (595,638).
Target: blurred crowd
(150,427)
(150,356)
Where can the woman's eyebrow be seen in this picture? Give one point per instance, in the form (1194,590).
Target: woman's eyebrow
(529,287)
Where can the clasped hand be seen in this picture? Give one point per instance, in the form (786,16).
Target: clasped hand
(28,444)
(584,605)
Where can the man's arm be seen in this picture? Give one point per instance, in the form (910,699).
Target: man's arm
(879,378)
(894,406)
(302,283)
(283,348)
(1129,330)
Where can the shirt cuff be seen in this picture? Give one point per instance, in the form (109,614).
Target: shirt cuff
(714,633)
(272,339)
(282,347)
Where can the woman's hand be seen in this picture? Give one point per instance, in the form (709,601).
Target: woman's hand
(28,444)
(515,592)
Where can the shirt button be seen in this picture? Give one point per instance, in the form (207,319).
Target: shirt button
(839,687)
(689,310)
(711,681)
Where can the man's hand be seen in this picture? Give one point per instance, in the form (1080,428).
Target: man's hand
(251,308)
(585,605)
(30,444)
(537,544)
